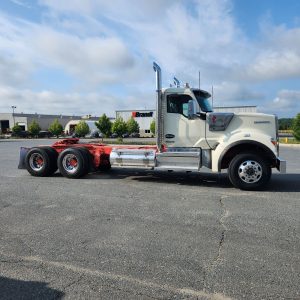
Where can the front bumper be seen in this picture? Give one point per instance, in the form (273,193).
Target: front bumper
(281,165)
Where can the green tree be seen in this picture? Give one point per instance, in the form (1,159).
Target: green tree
(152,127)
(119,126)
(285,123)
(34,128)
(16,129)
(56,128)
(132,126)
(104,125)
(296,127)
(82,128)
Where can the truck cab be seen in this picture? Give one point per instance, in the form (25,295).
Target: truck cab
(191,136)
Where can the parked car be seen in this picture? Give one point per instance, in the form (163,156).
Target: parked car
(21,134)
(45,134)
(94,134)
(135,135)
(125,135)
(114,135)
(75,135)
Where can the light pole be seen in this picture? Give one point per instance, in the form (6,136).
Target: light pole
(13,108)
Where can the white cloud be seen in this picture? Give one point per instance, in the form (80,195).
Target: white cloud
(94,103)
(228,93)
(20,3)
(286,103)
(103,44)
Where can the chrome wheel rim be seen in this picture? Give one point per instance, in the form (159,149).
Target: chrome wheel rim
(36,161)
(70,163)
(250,171)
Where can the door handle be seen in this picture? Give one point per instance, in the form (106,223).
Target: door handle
(169,136)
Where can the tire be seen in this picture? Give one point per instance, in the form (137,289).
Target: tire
(72,163)
(248,171)
(88,159)
(53,158)
(38,162)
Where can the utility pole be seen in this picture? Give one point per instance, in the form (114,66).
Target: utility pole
(13,109)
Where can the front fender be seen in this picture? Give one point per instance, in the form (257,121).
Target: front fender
(263,142)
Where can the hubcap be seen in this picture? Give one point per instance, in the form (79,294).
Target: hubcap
(36,161)
(250,171)
(70,163)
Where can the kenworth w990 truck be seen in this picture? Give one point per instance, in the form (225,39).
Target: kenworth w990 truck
(189,136)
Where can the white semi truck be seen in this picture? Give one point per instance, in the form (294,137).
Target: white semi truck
(189,136)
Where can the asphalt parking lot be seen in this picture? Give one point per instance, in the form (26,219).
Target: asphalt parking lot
(132,234)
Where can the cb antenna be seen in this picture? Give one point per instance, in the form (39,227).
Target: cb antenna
(212,96)
(176,82)
(199,80)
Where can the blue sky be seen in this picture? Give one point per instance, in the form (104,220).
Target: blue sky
(94,57)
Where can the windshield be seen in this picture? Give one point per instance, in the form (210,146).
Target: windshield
(203,100)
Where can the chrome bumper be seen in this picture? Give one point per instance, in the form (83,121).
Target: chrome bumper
(281,165)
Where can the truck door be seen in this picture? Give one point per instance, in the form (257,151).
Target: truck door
(179,130)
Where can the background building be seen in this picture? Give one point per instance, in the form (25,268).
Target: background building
(8,120)
(144,117)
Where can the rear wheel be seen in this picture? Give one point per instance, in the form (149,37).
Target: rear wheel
(88,159)
(53,158)
(248,171)
(39,162)
(73,163)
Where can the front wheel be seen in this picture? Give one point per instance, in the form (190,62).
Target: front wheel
(248,171)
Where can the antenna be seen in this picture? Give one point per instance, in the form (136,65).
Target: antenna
(176,82)
(199,79)
(212,96)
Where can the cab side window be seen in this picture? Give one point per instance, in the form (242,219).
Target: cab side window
(178,104)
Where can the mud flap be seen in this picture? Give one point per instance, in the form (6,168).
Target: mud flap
(23,152)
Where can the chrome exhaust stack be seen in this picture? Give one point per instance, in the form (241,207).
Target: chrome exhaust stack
(159,112)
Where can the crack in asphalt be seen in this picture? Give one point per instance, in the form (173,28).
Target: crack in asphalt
(73,282)
(224,215)
(218,259)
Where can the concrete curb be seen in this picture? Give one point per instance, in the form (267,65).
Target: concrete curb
(290,145)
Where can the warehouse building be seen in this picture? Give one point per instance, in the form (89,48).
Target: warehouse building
(145,117)
(8,120)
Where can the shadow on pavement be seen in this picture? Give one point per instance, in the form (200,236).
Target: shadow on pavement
(278,182)
(181,178)
(19,289)
(282,183)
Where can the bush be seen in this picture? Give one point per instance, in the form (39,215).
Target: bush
(34,128)
(296,127)
(16,130)
(152,127)
(104,125)
(82,129)
(119,126)
(56,128)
